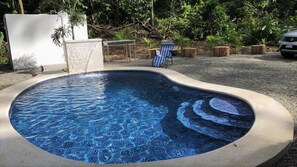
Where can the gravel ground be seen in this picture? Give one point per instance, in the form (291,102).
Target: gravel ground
(269,74)
(8,78)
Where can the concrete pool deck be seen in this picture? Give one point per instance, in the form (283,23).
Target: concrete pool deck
(267,141)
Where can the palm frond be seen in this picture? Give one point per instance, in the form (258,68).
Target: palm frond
(59,33)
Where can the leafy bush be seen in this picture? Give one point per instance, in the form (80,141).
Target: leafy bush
(213,40)
(3,50)
(232,37)
(1,42)
(3,60)
(219,20)
(268,29)
(163,27)
(192,18)
(290,23)
(258,29)
(150,43)
(181,40)
(123,34)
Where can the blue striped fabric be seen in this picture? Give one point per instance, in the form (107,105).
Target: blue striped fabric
(160,58)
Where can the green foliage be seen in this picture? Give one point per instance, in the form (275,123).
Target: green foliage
(218,20)
(290,23)
(76,17)
(117,12)
(68,6)
(237,22)
(259,29)
(150,43)
(3,60)
(134,10)
(181,40)
(213,40)
(59,33)
(123,34)
(193,24)
(163,27)
(232,37)
(2,45)
(3,50)
(1,39)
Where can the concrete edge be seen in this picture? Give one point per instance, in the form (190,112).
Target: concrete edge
(268,139)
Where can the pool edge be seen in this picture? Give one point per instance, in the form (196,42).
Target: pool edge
(243,152)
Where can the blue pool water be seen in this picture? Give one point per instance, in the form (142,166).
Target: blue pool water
(126,117)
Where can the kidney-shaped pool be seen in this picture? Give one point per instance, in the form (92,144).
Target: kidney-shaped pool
(127,117)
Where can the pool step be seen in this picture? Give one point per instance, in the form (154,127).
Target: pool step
(204,127)
(212,118)
(219,118)
(229,106)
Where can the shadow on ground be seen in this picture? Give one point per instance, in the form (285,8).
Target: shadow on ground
(276,57)
(5,68)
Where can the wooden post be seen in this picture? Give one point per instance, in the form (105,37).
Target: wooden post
(189,52)
(258,49)
(221,51)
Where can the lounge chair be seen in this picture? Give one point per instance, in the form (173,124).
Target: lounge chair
(163,56)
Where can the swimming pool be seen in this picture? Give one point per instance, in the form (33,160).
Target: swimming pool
(262,144)
(127,117)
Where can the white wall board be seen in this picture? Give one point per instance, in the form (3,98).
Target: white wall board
(29,38)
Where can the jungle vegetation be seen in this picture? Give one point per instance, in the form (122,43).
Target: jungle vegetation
(233,22)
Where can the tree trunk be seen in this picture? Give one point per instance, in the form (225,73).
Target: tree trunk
(72,32)
(221,51)
(117,12)
(152,13)
(21,7)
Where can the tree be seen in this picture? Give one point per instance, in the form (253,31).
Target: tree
(74,9)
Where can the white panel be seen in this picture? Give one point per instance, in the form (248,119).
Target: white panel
(30,40)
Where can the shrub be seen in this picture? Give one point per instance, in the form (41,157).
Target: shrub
(232,37)
(213,40)
(3,50)
(289,24)
(150,43)
(163,27)
(181,40)
(123,34)
(191,22)
(3,60)
(259,29)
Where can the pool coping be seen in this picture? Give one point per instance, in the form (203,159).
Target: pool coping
(269,138)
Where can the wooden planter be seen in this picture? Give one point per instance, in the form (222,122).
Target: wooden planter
(221,51)
(258,49)
(189,52)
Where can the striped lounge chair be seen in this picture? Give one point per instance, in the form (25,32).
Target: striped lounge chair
(162,57)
